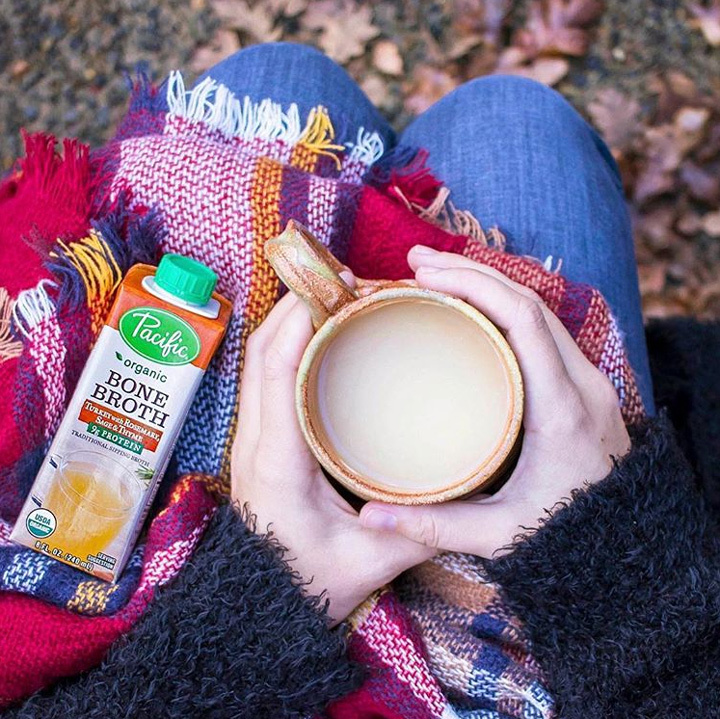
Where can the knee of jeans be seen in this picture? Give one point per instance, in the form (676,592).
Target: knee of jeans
(520,96)
(513,101)
(287,49)
(287,53)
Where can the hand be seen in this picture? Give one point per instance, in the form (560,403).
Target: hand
(572,421)
(274,472)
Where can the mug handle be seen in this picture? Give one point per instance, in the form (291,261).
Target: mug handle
(309,270)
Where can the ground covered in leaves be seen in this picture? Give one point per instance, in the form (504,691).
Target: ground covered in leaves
(646,74)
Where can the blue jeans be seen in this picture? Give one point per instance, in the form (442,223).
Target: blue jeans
(511,151)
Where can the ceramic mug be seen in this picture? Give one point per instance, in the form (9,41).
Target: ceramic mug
(310,271)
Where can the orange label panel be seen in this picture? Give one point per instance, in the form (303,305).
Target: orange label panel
(94,413)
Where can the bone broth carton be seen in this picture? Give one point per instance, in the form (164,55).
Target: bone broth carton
(95,486)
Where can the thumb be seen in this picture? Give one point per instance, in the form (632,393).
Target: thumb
(279,426)
(472,526)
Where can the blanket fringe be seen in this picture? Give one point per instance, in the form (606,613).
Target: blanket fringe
(217,107)
(548,264)
(144,95)
(9,346)
(463,222)
(444,214)
(32,307)
(367,149)
(94,265)
(318,135)
(131,237)
(87,272)
(62,179)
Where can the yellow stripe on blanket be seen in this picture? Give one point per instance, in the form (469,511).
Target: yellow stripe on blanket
(98,269)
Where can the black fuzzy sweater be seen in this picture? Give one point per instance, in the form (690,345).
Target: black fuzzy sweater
(619,591)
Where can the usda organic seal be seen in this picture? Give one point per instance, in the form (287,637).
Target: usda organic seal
(41,523)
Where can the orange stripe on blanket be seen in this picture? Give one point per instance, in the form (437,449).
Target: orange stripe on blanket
(264,283)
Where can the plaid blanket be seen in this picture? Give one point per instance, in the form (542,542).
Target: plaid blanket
(213,176)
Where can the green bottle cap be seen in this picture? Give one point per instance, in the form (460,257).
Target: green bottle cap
(186,278)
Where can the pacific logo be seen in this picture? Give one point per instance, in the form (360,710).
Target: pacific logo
(159,336)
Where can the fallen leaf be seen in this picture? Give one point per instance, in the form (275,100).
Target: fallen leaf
(557,27)
(708,300)
(689,224)
(656,176)
(386,58)
(512,57)
(674,90)
(652,277)
(258,21)
(541,39)
(707,19)
(578,13)
(463,45)
(375,88)
(617,117)
(703,185)
(481,18)
(483,62)
(678,272)
(547,70)
(429,49)
(224,43)
(318,12)
(655,228)
(656,307)
(495,13)
(691,121)
(429,84)
(666,146)
(345,27)
(710,148)
(711,223)
(286,8)
(19,68)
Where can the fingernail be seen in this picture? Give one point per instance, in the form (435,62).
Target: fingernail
(379,519)
(425,268)
(423,250)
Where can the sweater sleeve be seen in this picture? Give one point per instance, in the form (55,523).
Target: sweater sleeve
(619,591)
(684,357)
(233,636)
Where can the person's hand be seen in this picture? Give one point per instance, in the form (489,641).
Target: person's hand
(274,472)
(573,425)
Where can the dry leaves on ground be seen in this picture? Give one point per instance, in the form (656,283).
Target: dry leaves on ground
(553,29)
(256,23)
(345,27)
(224,43)
(386,58)
(617,117)
(707,19)
(670,161)
(428,85)
(557,27)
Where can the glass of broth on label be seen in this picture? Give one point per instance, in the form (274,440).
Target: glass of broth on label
(92,497)
(404,394)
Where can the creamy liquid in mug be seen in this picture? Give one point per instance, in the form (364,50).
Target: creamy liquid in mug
(413,394)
